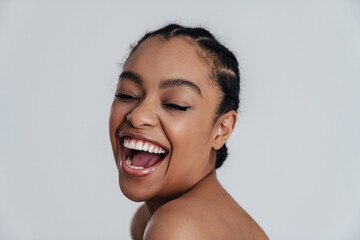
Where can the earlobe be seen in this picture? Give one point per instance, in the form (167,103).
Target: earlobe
(224,128)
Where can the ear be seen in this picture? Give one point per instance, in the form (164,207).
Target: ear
(223,129)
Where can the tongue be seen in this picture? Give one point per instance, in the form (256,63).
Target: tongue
(145,159)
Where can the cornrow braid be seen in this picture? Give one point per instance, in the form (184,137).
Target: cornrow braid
(224,65)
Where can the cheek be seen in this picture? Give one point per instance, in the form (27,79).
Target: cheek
(189,137)
(117,115)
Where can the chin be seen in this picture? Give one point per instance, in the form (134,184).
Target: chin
(138,191)
(134,198)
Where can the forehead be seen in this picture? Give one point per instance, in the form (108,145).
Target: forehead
(157,59)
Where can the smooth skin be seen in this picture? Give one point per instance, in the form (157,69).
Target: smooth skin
(183,198)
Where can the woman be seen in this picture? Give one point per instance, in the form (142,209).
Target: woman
(174,108)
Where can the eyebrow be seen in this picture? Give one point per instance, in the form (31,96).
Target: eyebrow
(131,76)
(168,83)
(178,82)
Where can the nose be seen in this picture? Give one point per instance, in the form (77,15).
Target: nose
(143,115)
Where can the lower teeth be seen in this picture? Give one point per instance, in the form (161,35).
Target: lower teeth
(128,162)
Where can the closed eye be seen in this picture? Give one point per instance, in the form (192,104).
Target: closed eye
(177,107)
(125,97)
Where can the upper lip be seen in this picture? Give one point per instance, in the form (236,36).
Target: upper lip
(123,134)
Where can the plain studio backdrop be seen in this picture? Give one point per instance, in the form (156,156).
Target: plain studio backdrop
(294,156)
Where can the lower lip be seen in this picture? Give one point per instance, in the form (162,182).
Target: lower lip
(137,172)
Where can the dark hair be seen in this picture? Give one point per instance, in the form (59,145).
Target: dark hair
(225,69)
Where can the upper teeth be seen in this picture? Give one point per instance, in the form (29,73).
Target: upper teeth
(142,146)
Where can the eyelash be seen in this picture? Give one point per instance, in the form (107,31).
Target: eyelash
(126,97)
(177,107)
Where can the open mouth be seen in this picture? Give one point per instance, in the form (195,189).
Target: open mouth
(141,154)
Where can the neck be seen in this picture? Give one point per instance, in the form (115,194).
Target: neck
(154,203)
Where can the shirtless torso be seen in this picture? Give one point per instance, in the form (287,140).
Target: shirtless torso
(207,211)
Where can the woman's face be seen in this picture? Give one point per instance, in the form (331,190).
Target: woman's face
(165,103)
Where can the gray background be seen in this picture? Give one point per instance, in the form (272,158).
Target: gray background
(294,156)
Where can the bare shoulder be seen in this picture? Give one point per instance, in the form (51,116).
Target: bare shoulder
(174,220)
(213,217)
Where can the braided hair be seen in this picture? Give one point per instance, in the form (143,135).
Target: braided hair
(224,65)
